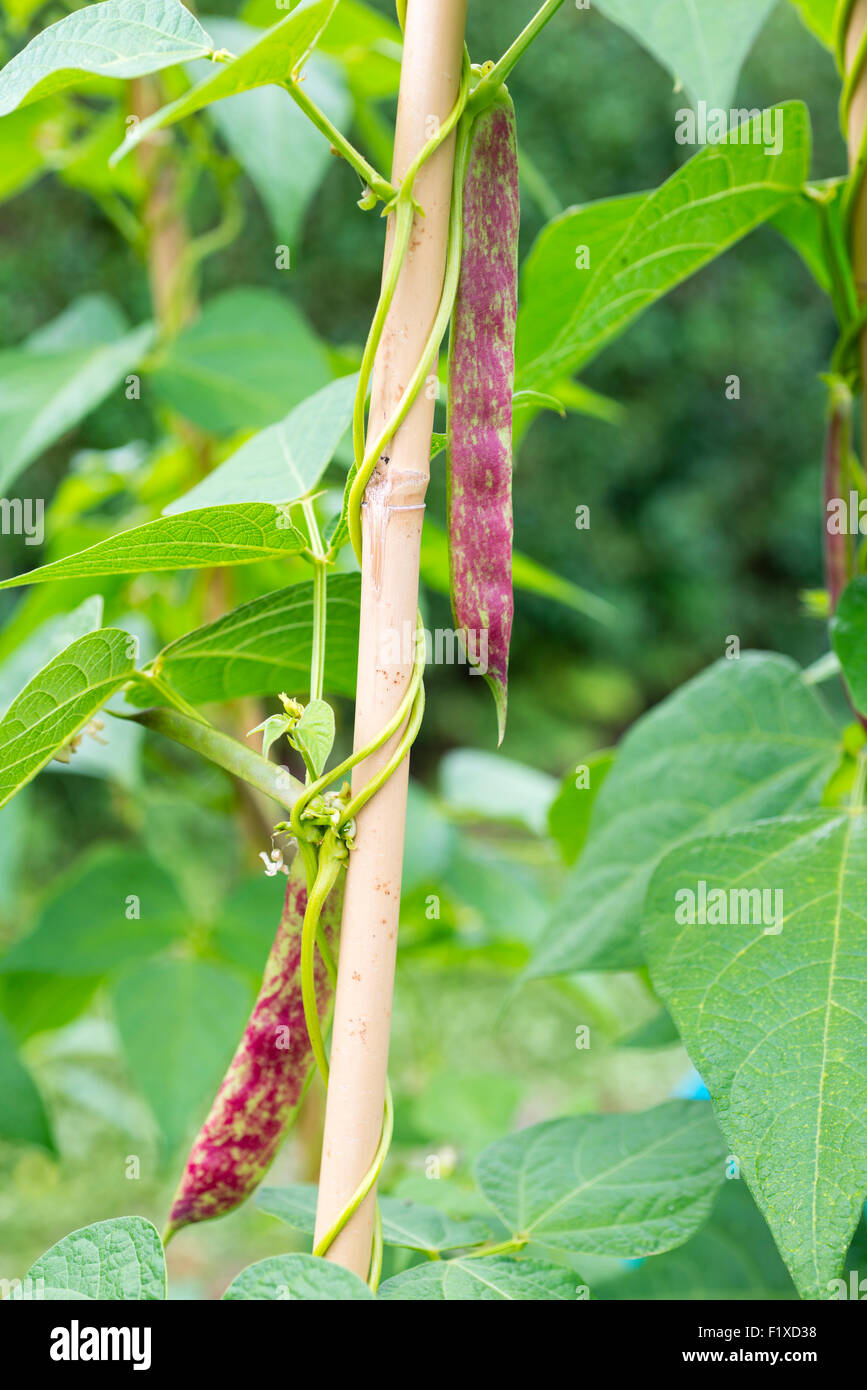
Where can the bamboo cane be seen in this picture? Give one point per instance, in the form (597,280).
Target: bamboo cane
(392,520)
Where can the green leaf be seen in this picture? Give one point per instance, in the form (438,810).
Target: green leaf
(702,43)
(115,906)
(34,1003)
(22,1113)
(304,1277)
(801,223)
(270,59)
(732,1258)
(49,640)
(641,247)
(487,786)
(313,735)
(527,574)
(849,638)
(405,1224)
(264,647)
(58,703)
(818,15)
(569,812)
(179,1022)
(659,1031)
(118,38)
(367,43)
(24,136)
(485,1279)
(117,1259)
(744,740)
(237,535)
(284,462)
(247,359)
(246,923)
(280,150)
(60,374)
(622,1185)
(773,1016)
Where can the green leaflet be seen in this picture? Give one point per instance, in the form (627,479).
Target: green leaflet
(62,372)
(118,38)
(47,641)
(114,906)
(818,15)
(248,358)
(732,1257)
(22,1112)
(179,1021)
(569,812)
(484,1280)
(304,1277)
(281,151)
(773,1014)
(849,637)
(702,43)
(641,247)
(623,1185)
(406,1224)
(283,462)
(744,740)
(117,1259)
(272,58)
(231,535)
(59,703)
(263,647)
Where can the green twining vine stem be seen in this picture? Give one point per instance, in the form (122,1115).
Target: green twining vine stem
(322,826)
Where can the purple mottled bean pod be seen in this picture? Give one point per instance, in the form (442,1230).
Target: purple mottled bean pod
(481,378)
(265,1083)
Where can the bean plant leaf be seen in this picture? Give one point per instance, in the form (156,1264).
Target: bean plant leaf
(249,358)
(58,704)
(623,1185)
(118,38)
(304,1277)
(22,1111)
(732,1258)
(849,637)
(313,735)
(283,462)
(179,1022)
(47,641)
(485,786)
(527,575)
(60,374)
(271,58)
(264,647)
(595,269)
(484,1280)
(746,739)
(237,535)
(702,43)
(117,1259)
(569,812)
(818,15)
(114,906)
(404,1223)
(281,151)
(772,1011)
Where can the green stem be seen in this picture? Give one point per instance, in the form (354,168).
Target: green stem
(369,459)
(175,699)
(503,1247)
(365,171)
(320,601)
(331,854)
(487,89)
(226,752)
